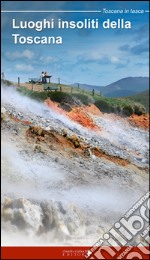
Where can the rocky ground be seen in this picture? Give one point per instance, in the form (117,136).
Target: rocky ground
(63,182)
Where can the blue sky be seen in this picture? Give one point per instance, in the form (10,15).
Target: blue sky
(92,56)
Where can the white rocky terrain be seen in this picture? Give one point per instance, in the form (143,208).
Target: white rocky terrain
(63,184)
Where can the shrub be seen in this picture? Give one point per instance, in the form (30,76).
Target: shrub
(61,97)
(139,109)
(72,99)
(84,99)
(128,110)
(104,106)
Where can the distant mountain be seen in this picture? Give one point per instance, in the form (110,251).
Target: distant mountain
(126,87)
(121,88)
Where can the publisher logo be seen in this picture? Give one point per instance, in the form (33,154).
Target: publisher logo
(126,232)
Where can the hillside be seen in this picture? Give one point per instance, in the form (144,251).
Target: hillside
(126,86)
(68,98)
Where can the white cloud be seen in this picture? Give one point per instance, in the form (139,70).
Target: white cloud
(28,54)
(19,55)
(49,59)
(103,58)
(115,60)
(95,55)
(24,67)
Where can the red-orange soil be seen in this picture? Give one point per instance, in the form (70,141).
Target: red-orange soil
(80,114)
(140,121)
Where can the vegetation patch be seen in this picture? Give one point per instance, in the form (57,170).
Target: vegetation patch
(121,106)
(142,98)
(60,97)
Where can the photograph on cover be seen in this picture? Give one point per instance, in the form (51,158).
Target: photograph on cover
(74,123)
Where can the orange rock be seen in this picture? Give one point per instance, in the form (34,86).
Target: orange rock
(92,109)
(140,121)
(54,106)
(80,115)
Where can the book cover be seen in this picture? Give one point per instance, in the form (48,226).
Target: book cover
(74,129)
